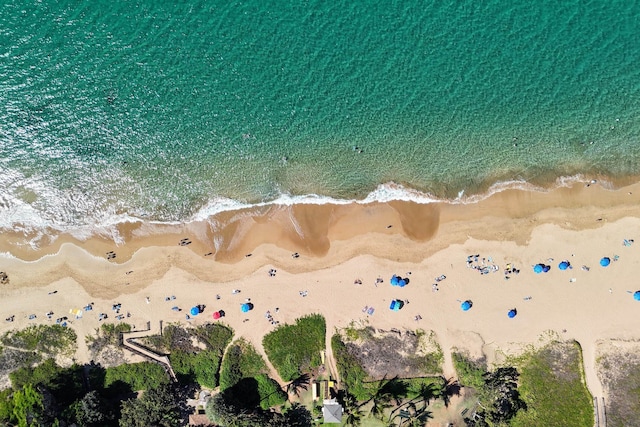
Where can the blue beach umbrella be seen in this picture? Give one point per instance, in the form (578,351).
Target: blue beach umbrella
(194,311)
(538,268)
(512,313)
(546,268)
(636,295)
(396,305)
(465,306)
(402,283)
(605,261)
(245,307)
(394,280)
(563,265)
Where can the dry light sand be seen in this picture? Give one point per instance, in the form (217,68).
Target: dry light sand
(339,244)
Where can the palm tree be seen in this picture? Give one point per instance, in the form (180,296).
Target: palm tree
(298,384)
(353,419)
(353,411)
(380,404)
(448,388)
(417,417)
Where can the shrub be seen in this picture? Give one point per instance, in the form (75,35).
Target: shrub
(47,339)
(270,392)
(296,348)
(470,373)
(108,334)
(65,384)
(139,376)
(230,371)
(240,361)
(206,365)
(215,335)
(351,372)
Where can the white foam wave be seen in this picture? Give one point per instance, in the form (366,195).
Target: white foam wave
(18,215)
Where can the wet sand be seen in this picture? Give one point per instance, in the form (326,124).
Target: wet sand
(338,244)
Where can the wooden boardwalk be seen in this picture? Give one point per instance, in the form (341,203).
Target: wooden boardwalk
(126,339)
(599,412)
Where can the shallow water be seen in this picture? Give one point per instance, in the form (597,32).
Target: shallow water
(172,111)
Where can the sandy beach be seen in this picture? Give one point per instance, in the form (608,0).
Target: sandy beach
(338,247)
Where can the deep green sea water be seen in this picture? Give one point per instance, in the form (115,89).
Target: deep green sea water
(170,110)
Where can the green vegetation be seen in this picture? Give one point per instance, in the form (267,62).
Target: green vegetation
(294,349)
(416,386)
(12,359)
(64,383)
(138,376)
(432,357)
(185,347)
(107,335)
(244,369)
(224,410)
(27,407)
(216,336)
(552,385)
(470,372)
(157,407)
(201,367)
(352,374)
(240,361)
(49,340)
(270,393)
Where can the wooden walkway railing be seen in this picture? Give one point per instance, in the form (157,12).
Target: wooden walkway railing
(599,412)
(126,339)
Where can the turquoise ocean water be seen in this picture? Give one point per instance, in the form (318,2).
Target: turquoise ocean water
(169,111)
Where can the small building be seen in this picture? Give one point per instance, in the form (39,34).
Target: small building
(332,411)
(199,420)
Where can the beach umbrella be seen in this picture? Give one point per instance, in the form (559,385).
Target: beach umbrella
(402,283)
(217,315)
(194,311)
(605,261)
(563,265)
(546,268)
(465,306)
(636,295)
(245,307)
(394,280)
(538,268)
(512,313)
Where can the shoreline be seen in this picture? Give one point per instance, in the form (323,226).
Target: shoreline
(310,228)
(338,245)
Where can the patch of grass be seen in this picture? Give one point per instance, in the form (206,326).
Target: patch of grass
(416,385)
(352,374)
(470,372)
(552,385)
(294,349)
(139,376)
(49,340)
